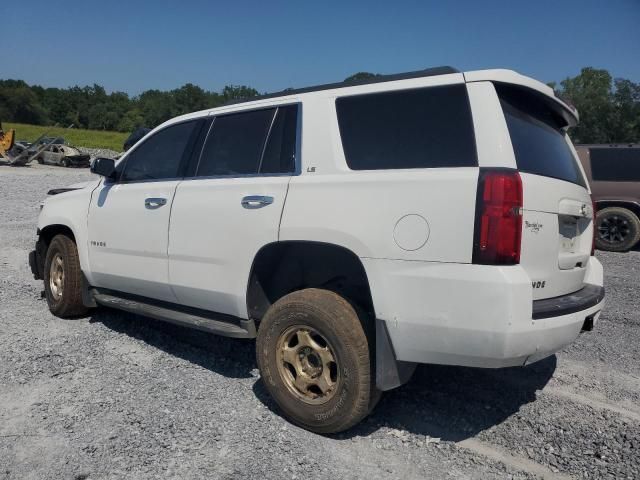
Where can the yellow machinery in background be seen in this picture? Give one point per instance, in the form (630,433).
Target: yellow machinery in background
(6,140)
(25,155)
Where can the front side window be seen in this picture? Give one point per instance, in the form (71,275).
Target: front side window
(422,128)
(160,156)
(615,164)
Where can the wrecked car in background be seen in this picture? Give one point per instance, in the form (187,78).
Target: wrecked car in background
(63,155)
(54,151)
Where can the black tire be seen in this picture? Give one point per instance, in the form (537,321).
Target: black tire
(618,229)
(64,292)
(64,162)
(40,160)
(334,325)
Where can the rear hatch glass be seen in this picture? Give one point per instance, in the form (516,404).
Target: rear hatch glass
(557,224)
(538,141)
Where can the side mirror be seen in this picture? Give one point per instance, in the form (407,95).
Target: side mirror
(105,167)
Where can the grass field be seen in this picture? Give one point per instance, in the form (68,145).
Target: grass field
(73,136)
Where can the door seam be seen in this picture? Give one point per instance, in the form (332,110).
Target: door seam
(284,205)
(173,198)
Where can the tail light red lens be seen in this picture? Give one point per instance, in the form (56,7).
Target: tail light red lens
(498,228)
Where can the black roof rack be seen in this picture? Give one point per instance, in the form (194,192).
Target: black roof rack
(609,145)
(429,72)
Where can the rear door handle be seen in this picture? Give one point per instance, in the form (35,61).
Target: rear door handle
(154,202)
(252,202)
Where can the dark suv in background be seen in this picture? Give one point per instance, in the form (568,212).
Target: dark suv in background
(613,172)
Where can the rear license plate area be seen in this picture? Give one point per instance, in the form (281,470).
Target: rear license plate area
(568,234)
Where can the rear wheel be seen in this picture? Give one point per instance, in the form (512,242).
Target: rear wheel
(63,278)
(40,160)
(64,162)
(315,360)
(618,229)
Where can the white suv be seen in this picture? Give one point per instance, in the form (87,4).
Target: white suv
(354,229)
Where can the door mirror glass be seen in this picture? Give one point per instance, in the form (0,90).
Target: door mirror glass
(105,167)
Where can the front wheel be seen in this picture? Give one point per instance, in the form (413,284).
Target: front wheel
(618,229)
(64,163)
(63,278)
(314,357)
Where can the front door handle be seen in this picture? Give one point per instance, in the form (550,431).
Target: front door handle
(252,202)
(154,202)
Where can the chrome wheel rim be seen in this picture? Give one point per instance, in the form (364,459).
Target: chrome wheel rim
(56,276)
(307,365)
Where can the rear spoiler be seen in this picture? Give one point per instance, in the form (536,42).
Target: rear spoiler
(542,91)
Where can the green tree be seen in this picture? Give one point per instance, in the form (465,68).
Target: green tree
(591,93)
(130,121)
(361,76)
(156,106)
(19,103)
(626,100)
(189,98)
(238,92)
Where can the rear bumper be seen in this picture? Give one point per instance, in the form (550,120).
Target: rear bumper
(584,299)
(476,315)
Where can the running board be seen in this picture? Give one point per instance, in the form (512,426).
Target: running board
(206,321)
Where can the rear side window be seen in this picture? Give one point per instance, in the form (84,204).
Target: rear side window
(421,128)
(538,141)
(235,144)
(159,157)
(615,164)
(280,152)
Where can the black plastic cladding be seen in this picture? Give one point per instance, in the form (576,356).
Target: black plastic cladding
(429,72)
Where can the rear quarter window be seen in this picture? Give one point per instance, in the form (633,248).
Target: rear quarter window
(615,164)
(537,137)
(420,128)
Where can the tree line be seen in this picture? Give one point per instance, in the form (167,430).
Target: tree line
(609,108)
(93,108)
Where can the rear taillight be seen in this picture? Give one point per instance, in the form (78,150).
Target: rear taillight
(593,222)
(498,228)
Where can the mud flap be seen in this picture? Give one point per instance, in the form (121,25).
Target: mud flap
(390,373)
(36,259)
(33,263)
(87,297)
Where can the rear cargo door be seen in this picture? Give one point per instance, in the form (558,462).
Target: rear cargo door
(557,222)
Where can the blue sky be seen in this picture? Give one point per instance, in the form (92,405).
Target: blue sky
(270,45)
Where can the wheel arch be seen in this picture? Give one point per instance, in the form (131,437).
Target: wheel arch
(47,232)
(283,267)
(45,235)
(628,204)
(280,268)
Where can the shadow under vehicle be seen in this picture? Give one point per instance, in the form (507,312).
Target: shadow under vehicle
(445,402)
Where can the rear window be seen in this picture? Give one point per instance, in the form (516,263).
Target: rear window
(235,143)
(615,164)
(537,136)
(421,128)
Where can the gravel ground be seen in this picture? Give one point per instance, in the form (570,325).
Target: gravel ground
(116,395)
(99,152)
